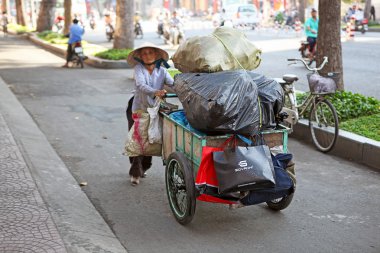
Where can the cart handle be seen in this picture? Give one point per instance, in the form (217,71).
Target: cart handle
(170,95)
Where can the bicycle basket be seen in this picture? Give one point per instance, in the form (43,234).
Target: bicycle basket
(322,85)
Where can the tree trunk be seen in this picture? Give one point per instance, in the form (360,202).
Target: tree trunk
(3,5)
(367,9)
(67,6)
(328,42)
(20,18)
(45,19)
(124,34)
(301,10)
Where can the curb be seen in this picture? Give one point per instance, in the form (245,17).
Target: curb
(92,60)
(349,146)
(79,224)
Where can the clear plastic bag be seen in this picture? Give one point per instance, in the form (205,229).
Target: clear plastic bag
(155,124)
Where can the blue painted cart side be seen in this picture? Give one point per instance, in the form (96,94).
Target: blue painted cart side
(178,137)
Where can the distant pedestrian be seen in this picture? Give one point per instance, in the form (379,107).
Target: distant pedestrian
(4,22)
(372,13)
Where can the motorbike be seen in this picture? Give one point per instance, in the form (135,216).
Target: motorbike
(77,56)
(92,24)
(138,31)
(174,35)
(306,54)
(361,25)
(58,26)
(109,32)
(160,28)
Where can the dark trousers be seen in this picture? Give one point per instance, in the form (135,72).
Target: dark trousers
(69,54)
(139,164)
(312,41)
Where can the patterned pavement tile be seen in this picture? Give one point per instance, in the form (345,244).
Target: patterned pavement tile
(25,223)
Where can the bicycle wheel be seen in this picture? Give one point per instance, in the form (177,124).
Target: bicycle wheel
(180,188)
(323,124)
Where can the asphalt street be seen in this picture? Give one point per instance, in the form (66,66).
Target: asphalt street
(82,114)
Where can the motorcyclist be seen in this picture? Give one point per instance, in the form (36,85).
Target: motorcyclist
(4,22)
(92,21)
(136,21)
(175,21)
(75,35)
(175,27)
(108,20)
(136,17)
(160,26)
(58,22)
(311,30)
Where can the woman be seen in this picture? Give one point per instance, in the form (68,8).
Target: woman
(150,78)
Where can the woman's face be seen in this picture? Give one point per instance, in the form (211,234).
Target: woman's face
(148,55)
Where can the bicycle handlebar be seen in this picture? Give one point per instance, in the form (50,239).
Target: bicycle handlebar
(325,60)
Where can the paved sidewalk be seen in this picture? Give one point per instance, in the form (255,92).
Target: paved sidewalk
(25,222)
(42,207)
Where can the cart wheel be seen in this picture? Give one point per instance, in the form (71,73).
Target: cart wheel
(281,203)
(284,202)
(180,188)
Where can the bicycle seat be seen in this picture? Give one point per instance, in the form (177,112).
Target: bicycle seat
(280,81)
(290,78)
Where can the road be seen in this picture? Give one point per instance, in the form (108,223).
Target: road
(335,208)
(359,56)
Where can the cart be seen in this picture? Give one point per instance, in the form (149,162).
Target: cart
(182,153)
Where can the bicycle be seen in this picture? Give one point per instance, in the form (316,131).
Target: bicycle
(323,118)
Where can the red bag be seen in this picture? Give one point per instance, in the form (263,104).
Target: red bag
(206,181)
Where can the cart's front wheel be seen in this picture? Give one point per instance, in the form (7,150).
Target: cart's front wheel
(180,188)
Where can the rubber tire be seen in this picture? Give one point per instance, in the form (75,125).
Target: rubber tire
(282,204)
(188,214)
(336,126)
(80,61)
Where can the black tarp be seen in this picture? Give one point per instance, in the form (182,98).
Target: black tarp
(221,102)
(271,96)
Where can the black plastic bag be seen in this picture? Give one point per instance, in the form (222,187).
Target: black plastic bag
(221,102)
(271,96)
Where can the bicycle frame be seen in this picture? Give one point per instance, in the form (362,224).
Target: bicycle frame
(299,110)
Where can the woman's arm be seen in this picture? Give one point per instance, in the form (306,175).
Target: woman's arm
(141,82)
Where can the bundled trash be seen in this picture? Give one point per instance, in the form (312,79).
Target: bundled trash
(236,101)
(225,49)
(218,90)
(271,96)
(221,102)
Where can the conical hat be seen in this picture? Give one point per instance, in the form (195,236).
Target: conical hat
(136,53)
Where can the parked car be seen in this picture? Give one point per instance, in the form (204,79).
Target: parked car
(242,15)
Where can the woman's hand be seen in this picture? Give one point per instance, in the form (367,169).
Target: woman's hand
(160,93)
